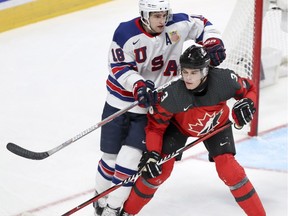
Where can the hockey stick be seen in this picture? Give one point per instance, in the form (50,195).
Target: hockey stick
(20,151)
(134,177)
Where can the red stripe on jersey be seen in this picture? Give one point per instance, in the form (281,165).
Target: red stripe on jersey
(119,90)
(115,70)
(205,21)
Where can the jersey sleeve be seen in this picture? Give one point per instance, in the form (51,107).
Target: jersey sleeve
(158,121)
(121,59)
(247,90)
(125,72)
(204,29)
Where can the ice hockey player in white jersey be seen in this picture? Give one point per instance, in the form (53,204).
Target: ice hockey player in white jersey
(143,55)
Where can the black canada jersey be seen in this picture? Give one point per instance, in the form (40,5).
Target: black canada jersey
(222,85)
(196,114)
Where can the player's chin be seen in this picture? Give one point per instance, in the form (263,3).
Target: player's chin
(160,29)
(189,86)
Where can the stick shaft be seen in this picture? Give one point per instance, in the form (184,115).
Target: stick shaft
(18,150)
(134,177)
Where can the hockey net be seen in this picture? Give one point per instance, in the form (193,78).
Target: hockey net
(254,29)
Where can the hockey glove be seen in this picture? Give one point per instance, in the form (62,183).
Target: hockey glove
(216,50)
(242,111)
(143,92)
(148,165)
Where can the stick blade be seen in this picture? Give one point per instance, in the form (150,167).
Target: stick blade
(26,153)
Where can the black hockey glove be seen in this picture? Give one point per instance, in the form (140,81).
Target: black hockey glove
(143,92)
(148,164)
(216,50)
(243,111)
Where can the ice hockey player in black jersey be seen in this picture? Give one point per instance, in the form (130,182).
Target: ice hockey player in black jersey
(192,107)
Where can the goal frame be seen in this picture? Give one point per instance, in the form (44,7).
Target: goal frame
(258,18)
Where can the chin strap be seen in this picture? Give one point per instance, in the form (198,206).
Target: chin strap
(201,87)
(147,24)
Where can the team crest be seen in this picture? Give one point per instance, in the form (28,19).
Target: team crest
(206,124)
(174,36)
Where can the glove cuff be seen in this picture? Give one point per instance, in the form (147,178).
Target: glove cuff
(137,85)
(212,41)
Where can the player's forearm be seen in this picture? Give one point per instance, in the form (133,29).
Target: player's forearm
(154,134)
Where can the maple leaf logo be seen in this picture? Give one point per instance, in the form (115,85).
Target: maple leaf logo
(206,124)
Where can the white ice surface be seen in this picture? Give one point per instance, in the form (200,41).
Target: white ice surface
(52,87)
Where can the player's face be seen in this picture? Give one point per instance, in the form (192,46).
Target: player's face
(192,77)
(158,21)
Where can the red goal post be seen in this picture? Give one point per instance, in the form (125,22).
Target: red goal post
(242,39)
(257,30)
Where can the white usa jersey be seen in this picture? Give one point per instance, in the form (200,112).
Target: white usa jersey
(134,54)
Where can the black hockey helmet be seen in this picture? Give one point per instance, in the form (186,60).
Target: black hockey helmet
(195,57)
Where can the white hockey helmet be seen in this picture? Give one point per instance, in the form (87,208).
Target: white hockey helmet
(148,6)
